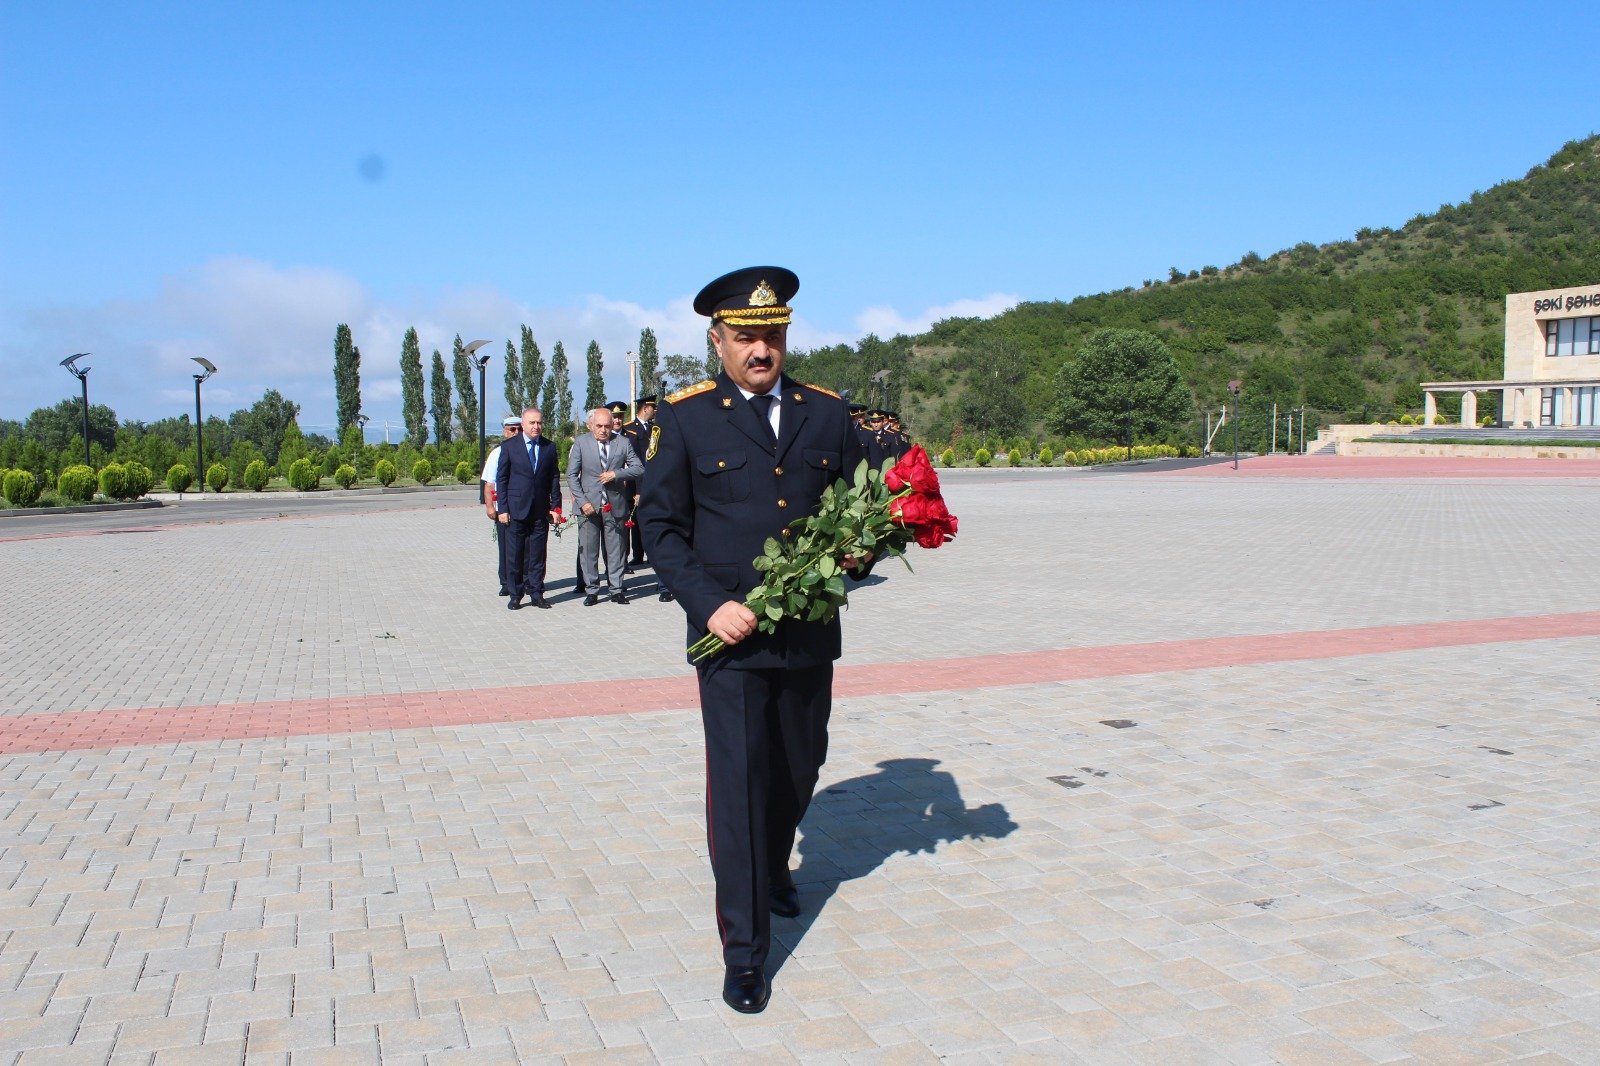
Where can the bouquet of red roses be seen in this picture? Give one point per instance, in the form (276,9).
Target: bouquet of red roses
(881,513)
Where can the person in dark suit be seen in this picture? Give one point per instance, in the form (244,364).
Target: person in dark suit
(528,497)
(732,462)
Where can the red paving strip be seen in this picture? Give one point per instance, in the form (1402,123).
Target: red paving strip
(1392,466)
(77,730)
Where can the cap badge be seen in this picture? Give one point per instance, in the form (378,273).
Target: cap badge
(763,296)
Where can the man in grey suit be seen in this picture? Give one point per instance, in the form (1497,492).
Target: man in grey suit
(598,471)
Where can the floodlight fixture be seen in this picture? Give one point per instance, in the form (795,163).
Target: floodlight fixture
(82,374)
(471,350)
(199,427)
(482,362)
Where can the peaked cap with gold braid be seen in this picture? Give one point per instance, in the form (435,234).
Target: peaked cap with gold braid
(754,296)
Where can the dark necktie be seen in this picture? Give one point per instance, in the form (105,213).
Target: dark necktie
(605,455)
(763,406)
(533,454)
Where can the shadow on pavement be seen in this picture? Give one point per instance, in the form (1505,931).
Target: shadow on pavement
(854,826)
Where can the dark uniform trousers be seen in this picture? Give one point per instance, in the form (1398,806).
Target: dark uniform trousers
(716,488)
(501,540)
(766,740)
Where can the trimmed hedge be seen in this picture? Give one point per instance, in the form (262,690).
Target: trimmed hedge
(179,477)
(303,477)
(345,476)
(422,471)
(21,488)
(385,472)
(255,475)
(76,483)
(217,477)
(465,472)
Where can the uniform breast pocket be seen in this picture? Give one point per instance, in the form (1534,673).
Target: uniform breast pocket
(823,466)
(724,478)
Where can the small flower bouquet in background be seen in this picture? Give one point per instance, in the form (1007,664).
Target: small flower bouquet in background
(564,522)
(881,514)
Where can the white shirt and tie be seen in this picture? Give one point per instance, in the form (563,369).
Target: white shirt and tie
(773,411)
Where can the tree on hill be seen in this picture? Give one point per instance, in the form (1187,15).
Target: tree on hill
(532,372)
(595,385)
(346,376)
(413,404)
(439,385)
(1121,377)
(264,422)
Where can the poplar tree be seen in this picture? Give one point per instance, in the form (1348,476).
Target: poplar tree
(713,361)
(532,371)
(595,387)
(467,409)
(346,377)
(558,390)
(649,361)
(514,398)
(413,401)
(441,400)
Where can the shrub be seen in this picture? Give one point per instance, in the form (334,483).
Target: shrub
(422,471)
(217,477)
(141,479)
(947,457)
(20,487)
(76,483)
(50,498)
(385,472)
(465,472)
(255,475)
(345,476)
(179,477)
(114,481)
(303,477)
(1046,456)
(981,457)
(1486,420)
(1014,457)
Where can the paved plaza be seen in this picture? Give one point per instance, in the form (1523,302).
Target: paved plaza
(1294,764)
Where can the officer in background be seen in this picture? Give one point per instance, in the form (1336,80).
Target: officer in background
(638,434)
(732,462)
(508,429)
(895,437)
(876,445)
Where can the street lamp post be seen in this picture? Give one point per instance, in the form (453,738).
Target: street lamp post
(71,363)
(633,384)
(1236,387)
(361,421)
(199,431)
(483,402)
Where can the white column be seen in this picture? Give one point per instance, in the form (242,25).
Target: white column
(1469,409)
(1568,412)
(1530,407)
(1430,408)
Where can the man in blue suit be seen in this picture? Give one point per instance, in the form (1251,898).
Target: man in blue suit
(528,497)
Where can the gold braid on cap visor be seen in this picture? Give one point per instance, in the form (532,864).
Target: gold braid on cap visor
(753,316)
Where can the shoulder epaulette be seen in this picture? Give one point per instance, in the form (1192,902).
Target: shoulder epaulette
(692,390)
(825,392)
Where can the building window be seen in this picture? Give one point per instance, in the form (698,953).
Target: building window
(1547,407)
(1572,336)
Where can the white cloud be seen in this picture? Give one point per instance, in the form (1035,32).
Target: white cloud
(885,321)
(267,326)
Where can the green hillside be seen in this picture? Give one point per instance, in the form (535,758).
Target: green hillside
(1347,328)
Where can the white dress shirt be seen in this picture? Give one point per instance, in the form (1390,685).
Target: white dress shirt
(772,412)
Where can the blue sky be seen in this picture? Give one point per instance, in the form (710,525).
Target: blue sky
(234,180)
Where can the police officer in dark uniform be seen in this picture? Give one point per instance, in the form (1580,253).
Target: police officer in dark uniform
(876,445)
(896,439)
(638,434)
(731,462)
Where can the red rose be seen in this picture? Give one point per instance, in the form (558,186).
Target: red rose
(914,470)
(606,509)
(930,522)
(628,524)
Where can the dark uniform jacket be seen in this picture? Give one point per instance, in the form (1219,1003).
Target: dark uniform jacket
(638,434)
(715,489)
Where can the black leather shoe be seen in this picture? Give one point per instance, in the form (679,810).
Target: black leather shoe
(665,597)
(626,570)
(504,591)
(619,597)
(745,989)
(514,603)
(541,603)
(784,902)
(590,600)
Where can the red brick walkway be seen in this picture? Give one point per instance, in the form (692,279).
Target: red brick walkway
(310,717)
(1393,466)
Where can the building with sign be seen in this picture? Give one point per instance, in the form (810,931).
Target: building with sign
(1552,363)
